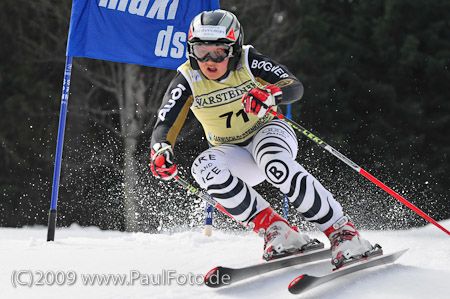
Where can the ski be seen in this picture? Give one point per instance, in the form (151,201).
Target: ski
(223,276)
(306,282)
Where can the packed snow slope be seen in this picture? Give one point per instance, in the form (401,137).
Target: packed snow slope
(62,269)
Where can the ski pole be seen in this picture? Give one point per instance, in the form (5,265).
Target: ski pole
(202,195)
(357,168)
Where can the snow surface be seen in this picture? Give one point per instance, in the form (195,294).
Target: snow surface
(423,272)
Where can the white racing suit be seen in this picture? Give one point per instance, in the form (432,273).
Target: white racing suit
(228,173)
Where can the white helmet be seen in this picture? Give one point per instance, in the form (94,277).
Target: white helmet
(218,27)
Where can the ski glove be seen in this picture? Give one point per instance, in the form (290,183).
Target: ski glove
(259,100)
(162,161)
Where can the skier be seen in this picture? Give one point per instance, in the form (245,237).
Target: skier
(231,88)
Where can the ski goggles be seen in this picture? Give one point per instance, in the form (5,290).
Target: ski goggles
(216,52)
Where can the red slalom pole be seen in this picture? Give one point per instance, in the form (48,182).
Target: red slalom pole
(357,168)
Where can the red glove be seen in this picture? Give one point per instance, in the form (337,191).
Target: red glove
(162,161)
(259,100)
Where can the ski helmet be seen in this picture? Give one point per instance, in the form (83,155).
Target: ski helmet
(216,27)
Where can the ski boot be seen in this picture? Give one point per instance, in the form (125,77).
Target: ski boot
(347,246)
(280,239)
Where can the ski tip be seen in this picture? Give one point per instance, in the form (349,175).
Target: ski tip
(218,277)
(302,283)
(209,275)
(296,280)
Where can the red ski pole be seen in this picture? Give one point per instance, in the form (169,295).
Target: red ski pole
(357,168)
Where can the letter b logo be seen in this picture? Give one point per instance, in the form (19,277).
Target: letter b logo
(277,171)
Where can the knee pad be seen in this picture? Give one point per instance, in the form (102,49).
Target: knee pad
(209,168)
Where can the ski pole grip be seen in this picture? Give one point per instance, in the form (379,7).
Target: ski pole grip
(160,160)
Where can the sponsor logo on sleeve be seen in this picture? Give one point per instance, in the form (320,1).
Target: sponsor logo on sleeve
(176,94)
(269,67)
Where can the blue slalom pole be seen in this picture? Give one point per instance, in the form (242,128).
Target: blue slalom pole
(286,200)
(209,215)
(59,149)
(209,219)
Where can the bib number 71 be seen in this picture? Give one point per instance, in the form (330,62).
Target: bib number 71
(229,115)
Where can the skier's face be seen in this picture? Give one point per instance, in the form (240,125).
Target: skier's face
(213,70)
